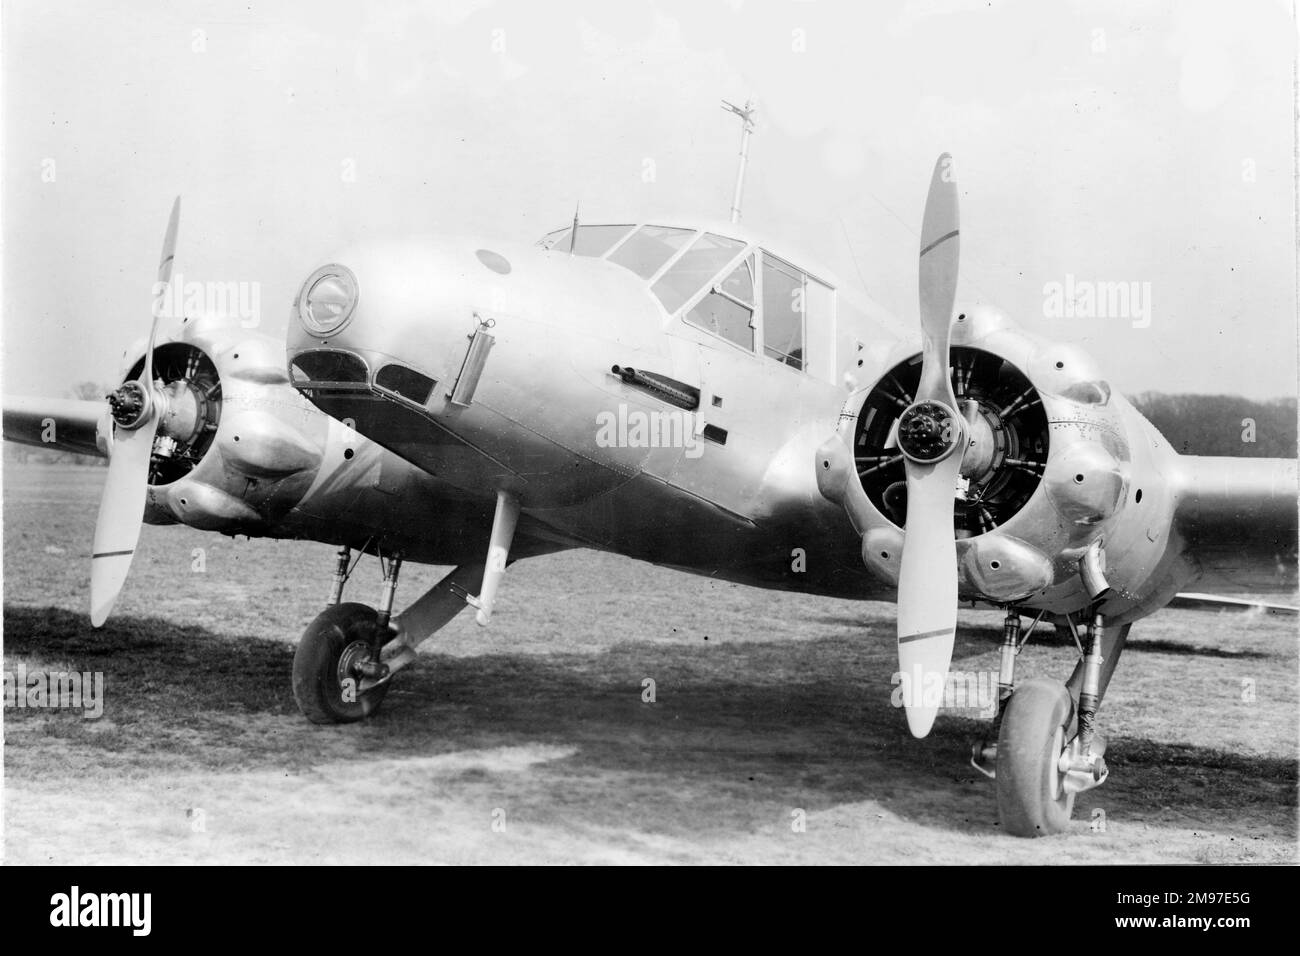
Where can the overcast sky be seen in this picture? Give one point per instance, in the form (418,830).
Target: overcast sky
(1108,141)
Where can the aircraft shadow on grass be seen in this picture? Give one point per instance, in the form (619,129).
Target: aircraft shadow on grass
(824,737)
(981,639)
(1161,646)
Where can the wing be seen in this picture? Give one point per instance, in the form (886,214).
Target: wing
(1239,517)
(65,424)
(1216,602)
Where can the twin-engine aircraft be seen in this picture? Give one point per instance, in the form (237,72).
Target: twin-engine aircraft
(691,395)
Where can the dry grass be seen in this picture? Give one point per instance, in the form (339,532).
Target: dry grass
(766,703)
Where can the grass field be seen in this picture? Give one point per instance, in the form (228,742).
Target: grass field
(529,741)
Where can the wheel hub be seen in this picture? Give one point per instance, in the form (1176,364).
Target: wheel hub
(352,659)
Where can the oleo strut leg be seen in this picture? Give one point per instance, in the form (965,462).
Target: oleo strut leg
(392,568)
(503,533)
(1007,661)
(373,669)
(984,751)
(1083,762)
(341,572)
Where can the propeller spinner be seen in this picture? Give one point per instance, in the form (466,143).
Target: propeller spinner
(932,438)
(135,407)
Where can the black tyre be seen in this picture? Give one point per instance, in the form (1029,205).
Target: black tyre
(338,637)
(1032,801)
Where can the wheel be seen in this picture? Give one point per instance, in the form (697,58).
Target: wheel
(333,643)
(1032,800)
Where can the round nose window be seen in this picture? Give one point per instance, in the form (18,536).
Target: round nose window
(494,261)
(327,300)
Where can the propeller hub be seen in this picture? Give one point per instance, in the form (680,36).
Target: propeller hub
(129,404)
(929,432)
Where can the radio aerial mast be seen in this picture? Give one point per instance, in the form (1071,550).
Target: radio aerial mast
(746,113)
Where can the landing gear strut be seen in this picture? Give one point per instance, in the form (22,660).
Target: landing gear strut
(348,655)
(984,752)
(1043,749)
(338,676)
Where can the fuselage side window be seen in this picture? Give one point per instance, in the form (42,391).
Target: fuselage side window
(646,251)
(728,309)
(819,325)
(783,312)
(695,269)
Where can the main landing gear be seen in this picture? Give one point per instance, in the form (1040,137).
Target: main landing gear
(1043,749)
(348,655)
(338,672)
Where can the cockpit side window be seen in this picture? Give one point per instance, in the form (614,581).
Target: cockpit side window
(646,251)
(592,241)
(695,269)
(728,310)
(783,312)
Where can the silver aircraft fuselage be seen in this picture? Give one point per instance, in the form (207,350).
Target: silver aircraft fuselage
(621,424)
(725,488)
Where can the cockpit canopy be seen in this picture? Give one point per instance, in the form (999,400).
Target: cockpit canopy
(725,286)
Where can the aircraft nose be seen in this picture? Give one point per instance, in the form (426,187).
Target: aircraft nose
(393,339)
(486,364)
(391,317)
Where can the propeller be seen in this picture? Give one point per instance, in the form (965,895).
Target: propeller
(932,437)
(135,408)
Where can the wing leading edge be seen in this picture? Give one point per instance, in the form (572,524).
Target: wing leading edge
(65,424)
(1239,517)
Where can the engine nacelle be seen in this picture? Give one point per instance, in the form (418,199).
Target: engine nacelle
(236,446)
(1045,477)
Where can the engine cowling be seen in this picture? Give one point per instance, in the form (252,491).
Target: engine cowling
(236,446)
(1044,477)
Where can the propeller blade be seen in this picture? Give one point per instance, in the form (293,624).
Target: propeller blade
(932,437)
(940,254)
(121,512)
(927,590)
(164,280)
(121,508)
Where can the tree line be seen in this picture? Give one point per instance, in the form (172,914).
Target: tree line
(1222,424)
